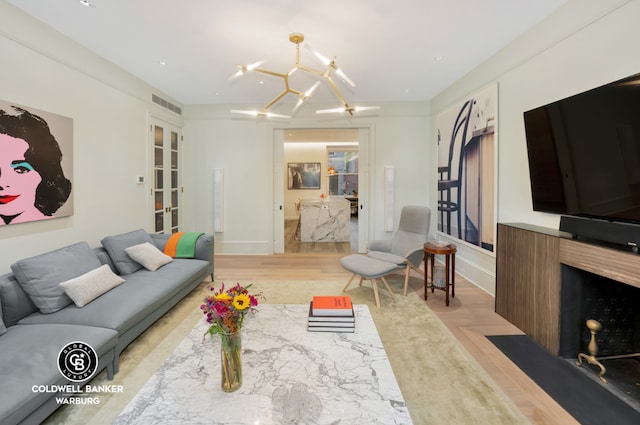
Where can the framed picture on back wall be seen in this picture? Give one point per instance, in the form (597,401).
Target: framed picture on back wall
(303,175)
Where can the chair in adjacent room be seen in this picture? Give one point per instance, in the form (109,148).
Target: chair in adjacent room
(447,180)
(404,251)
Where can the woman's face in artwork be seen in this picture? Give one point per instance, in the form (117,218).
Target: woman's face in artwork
(18,179)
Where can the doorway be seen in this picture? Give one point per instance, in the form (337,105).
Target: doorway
(327,147)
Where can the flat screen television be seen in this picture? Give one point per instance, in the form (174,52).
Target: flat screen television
(584,153)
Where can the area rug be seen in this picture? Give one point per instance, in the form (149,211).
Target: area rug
(440,382)
(581,396)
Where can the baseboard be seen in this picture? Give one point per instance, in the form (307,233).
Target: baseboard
(243,247)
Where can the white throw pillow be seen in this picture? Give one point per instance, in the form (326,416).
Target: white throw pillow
(89,286)
(148,255)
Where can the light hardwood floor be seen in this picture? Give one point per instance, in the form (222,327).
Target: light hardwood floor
(470,317)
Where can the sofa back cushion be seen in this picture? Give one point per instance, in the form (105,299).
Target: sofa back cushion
(160,239)
(116,245)
(104,258)
(3,328)
(16,304)
(40,276)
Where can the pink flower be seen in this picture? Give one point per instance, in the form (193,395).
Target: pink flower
(225,310)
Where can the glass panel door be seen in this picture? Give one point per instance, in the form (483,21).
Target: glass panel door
(343,174)
(166,189)
(343,171)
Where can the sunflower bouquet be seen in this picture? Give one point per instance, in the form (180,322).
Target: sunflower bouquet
(226,309)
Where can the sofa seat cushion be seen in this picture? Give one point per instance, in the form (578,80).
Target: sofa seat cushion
(116,245)
(129,303)
(40,276)
(29,357)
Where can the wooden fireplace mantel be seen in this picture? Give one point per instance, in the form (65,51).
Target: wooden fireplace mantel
(610,263)
(528,260)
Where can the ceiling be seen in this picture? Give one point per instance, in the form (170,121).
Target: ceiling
(408,50)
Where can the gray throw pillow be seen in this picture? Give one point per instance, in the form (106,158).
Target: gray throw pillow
(40,276)
(89,286)
(149,256)
(116,245)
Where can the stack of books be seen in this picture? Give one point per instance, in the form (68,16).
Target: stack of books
(331,314)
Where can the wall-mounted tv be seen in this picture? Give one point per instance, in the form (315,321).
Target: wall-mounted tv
(584,153)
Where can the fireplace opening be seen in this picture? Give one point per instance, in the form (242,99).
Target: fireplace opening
(616,307)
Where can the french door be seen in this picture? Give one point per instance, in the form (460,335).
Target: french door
(166,191)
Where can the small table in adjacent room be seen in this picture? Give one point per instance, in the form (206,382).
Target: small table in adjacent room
(431,249)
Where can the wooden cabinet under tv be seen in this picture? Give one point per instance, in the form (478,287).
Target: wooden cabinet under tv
(528,275)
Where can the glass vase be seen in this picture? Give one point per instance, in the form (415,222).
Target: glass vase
(231,361)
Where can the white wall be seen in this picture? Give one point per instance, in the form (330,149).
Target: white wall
(110,111)
(244,148)
(586,43)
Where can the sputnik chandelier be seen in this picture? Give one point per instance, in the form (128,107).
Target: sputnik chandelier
(326,75)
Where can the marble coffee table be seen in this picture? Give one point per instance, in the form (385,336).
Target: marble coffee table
(290,376)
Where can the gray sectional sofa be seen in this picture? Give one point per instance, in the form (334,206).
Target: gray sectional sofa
(106,301)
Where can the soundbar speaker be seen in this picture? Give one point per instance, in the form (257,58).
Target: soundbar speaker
(616,232)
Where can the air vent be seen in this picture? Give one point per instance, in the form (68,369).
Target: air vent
(166,104)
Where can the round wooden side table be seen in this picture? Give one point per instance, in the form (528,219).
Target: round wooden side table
(432,249)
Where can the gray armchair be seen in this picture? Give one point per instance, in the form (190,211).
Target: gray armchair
(404,251)
(406,247)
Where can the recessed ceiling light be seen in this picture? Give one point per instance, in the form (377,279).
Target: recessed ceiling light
(163,63)
(439,58)
(86,3)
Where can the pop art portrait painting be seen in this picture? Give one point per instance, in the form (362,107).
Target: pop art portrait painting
(36,164)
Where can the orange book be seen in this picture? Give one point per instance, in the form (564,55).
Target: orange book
(332,306)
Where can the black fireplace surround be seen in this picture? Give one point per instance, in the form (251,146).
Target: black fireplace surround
(615,305)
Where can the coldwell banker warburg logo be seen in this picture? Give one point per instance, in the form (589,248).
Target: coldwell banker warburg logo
(77,361)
